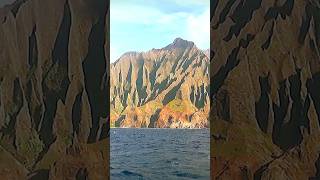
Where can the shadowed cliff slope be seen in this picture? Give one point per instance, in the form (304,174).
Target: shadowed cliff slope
(163,88)
(54,94)
(264,89)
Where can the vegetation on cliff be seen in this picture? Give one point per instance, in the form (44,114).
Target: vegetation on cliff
(163,88)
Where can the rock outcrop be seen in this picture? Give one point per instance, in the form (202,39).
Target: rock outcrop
(264,89)
(54,94)
(161,88)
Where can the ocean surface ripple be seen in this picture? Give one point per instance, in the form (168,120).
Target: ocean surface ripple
(153,154)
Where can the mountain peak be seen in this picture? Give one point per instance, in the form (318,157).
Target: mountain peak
(179,43)
(180,40)
(130,53)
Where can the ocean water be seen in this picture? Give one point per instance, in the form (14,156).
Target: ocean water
(159,154)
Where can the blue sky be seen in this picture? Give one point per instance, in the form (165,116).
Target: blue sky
(140,25)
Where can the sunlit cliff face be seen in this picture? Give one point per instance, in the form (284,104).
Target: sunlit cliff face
(163,88)
(264,75)
(5,2)
(54,89)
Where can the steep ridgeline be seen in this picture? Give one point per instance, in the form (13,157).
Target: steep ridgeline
(265,89)
(54,92)
(161,88)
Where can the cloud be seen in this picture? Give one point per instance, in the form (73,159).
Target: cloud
(198,29)
(192,2)
(138,26)
(132,14)
(145,15)
(114,53)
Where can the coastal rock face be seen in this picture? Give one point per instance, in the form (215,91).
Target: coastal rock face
(54,94)
(161,88)
(264,89)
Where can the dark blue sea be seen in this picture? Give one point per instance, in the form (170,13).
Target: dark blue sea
(153,154)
